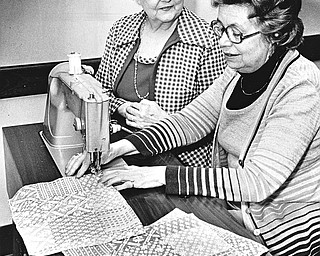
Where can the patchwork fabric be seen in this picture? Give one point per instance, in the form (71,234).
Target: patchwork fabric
(177,233)
(69,213)
(83,217)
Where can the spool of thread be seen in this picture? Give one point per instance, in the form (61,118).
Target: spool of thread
(74,63)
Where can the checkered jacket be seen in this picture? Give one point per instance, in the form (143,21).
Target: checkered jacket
(185,68)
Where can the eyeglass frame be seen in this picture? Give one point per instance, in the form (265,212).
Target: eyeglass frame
(225,29)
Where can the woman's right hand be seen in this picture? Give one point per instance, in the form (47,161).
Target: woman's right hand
(79,163)
(141,114)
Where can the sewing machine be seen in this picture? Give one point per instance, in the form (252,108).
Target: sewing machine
(76,115)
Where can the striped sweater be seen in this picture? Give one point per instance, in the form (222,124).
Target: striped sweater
(273,166)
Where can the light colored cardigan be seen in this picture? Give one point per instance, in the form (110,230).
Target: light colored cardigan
(278,170)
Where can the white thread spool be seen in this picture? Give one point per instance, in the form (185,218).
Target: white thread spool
(74,63)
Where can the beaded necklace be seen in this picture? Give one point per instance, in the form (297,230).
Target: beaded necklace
(144,60)
(136,56)
(135,78)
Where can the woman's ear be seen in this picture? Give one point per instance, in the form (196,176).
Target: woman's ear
(275,37)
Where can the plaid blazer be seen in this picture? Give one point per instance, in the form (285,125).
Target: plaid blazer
(184,69)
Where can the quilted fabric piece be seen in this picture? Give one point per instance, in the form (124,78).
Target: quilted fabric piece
(69,213)
(196,237)
(177,233)
(146,244)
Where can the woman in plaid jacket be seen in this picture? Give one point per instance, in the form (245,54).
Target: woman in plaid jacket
(156,62)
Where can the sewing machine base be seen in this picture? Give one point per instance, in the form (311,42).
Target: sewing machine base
(61,155)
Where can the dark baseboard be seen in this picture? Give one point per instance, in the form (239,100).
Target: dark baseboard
(30,79)
(6,238)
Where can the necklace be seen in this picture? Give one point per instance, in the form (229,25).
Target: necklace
(135,77)
(266,84)
(252,93)
(135,58)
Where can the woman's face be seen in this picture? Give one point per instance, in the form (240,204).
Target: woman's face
(164,11)
(252,52)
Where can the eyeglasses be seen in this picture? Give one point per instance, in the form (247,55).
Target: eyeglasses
(234,35)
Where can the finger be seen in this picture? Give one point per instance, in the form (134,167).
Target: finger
(132,111)
(75,163)
(114,168)
(71,162)
(134,124)
(130,116)
(111,178)
(125,185)
(136,106)
(84,167)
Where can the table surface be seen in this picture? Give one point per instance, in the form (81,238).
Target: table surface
(28,162)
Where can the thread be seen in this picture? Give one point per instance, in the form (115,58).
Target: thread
(74,63)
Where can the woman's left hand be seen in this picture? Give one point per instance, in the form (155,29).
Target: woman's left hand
(134,177)
(143,113)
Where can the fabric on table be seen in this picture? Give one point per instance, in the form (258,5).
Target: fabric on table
(177,233)
(69,213)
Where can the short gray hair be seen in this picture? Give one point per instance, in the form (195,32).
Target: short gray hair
(278,19)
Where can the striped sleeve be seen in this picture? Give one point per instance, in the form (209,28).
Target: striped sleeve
(221,182)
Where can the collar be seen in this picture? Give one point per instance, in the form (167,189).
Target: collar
(188,23)
(252,81)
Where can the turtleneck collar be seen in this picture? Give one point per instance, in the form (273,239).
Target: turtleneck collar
(251,85)
(253,81)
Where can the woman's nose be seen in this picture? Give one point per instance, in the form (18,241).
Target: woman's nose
(224,40)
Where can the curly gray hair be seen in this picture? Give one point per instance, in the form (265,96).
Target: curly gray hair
(278,19)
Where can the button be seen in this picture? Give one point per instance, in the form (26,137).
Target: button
(248,211)
(256,232)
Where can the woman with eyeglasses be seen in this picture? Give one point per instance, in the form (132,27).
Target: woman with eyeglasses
(265,112)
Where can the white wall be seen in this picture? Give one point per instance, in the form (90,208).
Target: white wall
(36,31)
(310,16)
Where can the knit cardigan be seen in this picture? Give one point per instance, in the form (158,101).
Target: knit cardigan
(183,70)
(277,174)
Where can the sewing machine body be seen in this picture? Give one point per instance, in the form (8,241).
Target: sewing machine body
(76,117)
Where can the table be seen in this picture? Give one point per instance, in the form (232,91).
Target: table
(27,161)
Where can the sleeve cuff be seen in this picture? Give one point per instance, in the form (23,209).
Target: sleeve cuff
(139,144)
(172,184)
